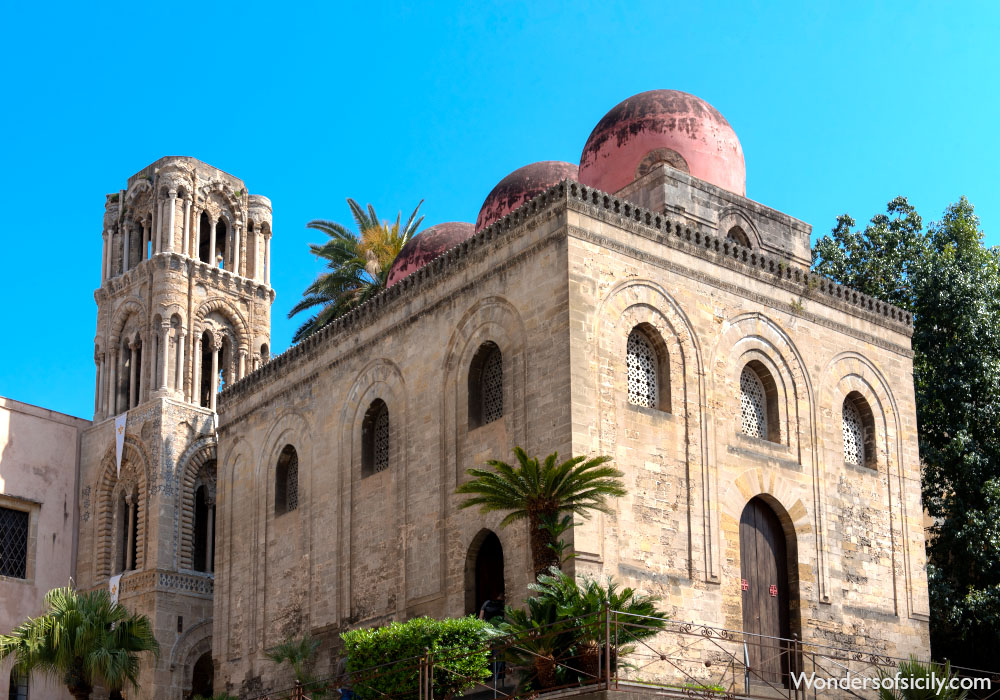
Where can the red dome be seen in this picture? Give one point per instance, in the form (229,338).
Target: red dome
(520,186)
(426,246)
(665,126)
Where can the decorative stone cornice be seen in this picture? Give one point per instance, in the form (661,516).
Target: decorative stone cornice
(622,213)
(216,277)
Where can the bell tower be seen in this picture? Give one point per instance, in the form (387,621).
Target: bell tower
(184,308)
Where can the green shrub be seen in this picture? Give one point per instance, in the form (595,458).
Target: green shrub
(383,661)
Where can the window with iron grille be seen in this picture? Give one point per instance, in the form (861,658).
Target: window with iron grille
(18,686)
(13,543)
(380,435)
(286,496)
(491,386)
(753,404)
(641,362)
(854,434)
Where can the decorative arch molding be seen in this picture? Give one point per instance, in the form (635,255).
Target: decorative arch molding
(849,372)
(643,302)
(194,458)
(734,216)
(491,319)
(142,186)
(754,335)
(135,477)
(382,379)
(225,308)
(238,537)
(218,202)
(472,548)
(123,313)
(189,647)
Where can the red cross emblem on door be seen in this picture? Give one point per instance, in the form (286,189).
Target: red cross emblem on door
(773,590)
(744,584)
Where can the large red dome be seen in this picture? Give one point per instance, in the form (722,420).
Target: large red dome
(520,186)
(663,126)
(426,246)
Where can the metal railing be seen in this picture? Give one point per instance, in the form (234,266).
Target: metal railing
(615,651)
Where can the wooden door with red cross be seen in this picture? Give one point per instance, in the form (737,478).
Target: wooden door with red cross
(764,589)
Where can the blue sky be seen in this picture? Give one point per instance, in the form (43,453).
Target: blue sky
(839,107)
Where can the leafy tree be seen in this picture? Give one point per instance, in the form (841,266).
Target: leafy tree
(357,264)
(83,638)
(951,283)
(297,653)
(540,493)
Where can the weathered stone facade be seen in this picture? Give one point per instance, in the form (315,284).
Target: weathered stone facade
(558,286)
(184,304)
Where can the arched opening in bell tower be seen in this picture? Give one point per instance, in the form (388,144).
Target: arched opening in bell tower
(204,237)
(221,240)
(205,390)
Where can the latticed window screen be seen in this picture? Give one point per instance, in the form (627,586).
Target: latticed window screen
(18,686)
(491,388)
(854,434)
(753,404)
(641,361)
(292,483)
(380,437)
(13,543)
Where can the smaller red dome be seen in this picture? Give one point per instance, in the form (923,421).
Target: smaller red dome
(426,246)
(520,186)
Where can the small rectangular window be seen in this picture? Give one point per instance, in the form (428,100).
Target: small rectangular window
(13,543)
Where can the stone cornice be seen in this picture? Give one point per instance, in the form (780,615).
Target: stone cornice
(217,278)
(621,213)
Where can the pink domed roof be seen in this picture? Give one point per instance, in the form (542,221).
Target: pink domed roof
(426,246)
(520,186)
(665,126)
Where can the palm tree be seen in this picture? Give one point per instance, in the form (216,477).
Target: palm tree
(540,493)
(83,638)
(357,264)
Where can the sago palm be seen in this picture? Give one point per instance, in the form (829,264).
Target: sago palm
(83,638)
(357,264)
(540,492)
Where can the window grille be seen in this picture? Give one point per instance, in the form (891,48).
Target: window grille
(854,436)
(381,440)
(13,543)
(641,362)
(18,686)
(292,483)
(492,386)
(753,404)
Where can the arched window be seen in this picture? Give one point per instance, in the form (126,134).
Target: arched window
(203,542)
(286,481)
(859,431)
(204,238)
(643,366)
(738,236)
(484,571)
(486,385)
(758,398)
(375,439)
(127,528)
(18,686)
(221,241)
(205,390)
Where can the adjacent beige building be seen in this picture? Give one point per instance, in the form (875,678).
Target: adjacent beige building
(39,470)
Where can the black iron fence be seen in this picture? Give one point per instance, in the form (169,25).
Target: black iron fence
(613,651)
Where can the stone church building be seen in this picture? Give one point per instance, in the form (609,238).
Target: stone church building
(635,305)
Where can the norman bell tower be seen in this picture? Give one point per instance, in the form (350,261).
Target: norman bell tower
(184,307)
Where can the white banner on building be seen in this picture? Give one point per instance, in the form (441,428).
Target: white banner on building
(119,441)
(114,585)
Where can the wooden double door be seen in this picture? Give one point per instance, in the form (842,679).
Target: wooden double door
(765,592)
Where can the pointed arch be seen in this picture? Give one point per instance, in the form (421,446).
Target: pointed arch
(199,455)
(134,479)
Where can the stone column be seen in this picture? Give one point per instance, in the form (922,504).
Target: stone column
(196,374)
(179,368)
(187,227)
(130,536)
(111,393)
(236,248)
(125,249)
(216,348)
(101,383)
(210,533)
(241,370)
(164,340)
(211,245)
(133,388)
(97,386)
(171,221)
(104,257)
(159,226)
(267,260)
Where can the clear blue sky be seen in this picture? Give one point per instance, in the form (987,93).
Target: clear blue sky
(839,108)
